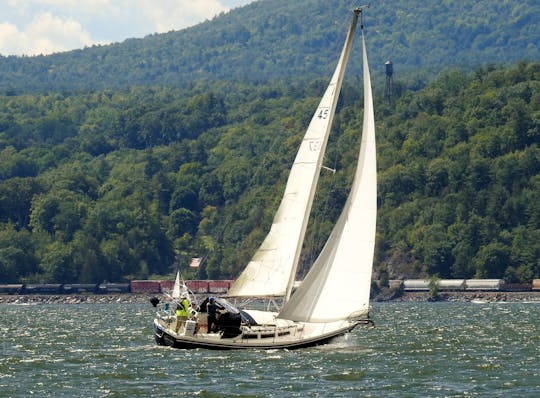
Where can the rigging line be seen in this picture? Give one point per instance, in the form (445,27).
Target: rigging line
(359,10)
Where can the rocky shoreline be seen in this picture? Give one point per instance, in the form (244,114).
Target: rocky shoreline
(130,298)
(126,298)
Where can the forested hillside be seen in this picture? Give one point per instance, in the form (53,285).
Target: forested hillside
(271,39)
(460,180)
(121,161)
(113,184)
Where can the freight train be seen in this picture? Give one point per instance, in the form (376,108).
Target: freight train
(68,288)
(136,286)
(222,286)
(461,285)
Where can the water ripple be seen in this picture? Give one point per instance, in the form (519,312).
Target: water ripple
(416,350)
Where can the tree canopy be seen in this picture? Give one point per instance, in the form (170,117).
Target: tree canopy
(113,185)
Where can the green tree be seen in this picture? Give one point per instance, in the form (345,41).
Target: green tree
(492,260)
(17,254)
(56,264)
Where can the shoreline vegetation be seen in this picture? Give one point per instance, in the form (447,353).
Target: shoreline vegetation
(135,298)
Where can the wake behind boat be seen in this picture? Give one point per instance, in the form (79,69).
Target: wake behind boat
(334,296)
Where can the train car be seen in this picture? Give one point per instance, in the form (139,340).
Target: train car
(166,286)
(484,284)
(195,286)
(418,285)
(219,286)
(451,284)
(12,289)
(78,288)
(535,284)
(43,288)
(415,285)
(198,286)
(145,286)
(105,288)
(517,287)
(395,284)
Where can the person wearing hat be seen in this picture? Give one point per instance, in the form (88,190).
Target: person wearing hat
(211,309)
(182,312)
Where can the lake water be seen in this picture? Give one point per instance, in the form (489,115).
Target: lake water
(415,350)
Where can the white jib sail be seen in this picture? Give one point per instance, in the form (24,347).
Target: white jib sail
(338,284)
(272,269)
(179,288)
(176,288)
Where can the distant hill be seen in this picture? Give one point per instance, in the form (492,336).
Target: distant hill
(271,39)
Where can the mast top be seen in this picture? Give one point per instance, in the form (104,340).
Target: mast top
(358,11)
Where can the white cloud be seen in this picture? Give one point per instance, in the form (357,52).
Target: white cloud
(9,38)
(45,34)
(33,27)
(174,14)
(77,5)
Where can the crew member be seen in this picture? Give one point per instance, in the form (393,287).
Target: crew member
(211,309)
(182,312)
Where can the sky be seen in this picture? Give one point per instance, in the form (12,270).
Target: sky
(34,27)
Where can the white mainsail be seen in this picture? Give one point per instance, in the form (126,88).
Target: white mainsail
(272,269)
(338,284)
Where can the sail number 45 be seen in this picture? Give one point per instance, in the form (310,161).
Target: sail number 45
(324,113)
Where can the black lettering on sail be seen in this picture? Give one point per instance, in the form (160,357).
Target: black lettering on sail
(315,145)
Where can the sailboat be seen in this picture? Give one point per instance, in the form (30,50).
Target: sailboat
(333,298)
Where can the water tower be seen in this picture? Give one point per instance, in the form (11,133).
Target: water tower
(389,88)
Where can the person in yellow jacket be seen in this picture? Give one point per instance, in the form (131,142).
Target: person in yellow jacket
(182,312)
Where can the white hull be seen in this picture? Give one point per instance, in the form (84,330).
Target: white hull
(297,335)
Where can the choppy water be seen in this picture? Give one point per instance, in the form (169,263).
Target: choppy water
(416,350)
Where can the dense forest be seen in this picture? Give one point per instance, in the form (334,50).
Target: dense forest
(112,185)
(271,39)
(125,161)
